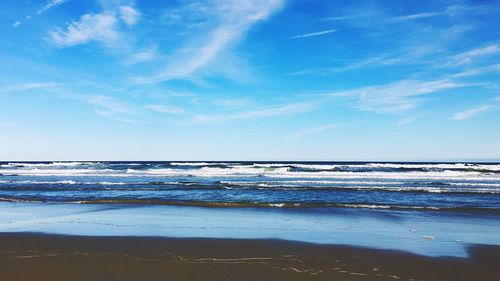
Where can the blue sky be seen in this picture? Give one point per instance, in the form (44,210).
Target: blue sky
(249,80)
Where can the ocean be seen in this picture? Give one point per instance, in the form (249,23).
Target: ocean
(378,185)
(432,209)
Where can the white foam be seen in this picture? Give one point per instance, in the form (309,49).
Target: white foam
(46,165)
(291,184)
(279,205)
(195,163)
(255,171)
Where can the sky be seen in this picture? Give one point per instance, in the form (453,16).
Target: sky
(409,80)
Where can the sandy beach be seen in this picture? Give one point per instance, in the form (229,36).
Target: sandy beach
(25,256)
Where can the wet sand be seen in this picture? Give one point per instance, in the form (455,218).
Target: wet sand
(27,256)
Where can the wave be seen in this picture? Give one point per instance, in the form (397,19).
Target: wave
(393,166)
(371,171)
(196,164)
(346,186)
(45,164)
(249,204)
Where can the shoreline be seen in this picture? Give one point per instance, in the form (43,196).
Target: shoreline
(36,256)
(419,232)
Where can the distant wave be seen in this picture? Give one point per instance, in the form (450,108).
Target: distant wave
(267,184)
(243,171)
(45,165)
(477,188)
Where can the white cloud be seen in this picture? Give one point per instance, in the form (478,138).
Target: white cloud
(490,69)
(90,27)
(28,86)
(417,16)
(466,114)
(51,4)
(231,19)
(128,14)
(407,56)
(397,96)
(106,106)
(235,102)
(142,56)
(308,131)
(313,34)
(280,110)
(165,109)
(468,56)
(449,11)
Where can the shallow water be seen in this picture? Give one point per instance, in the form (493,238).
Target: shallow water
(422,232)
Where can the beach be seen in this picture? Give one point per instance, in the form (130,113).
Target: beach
(42,241)
(26,256)
(248,221)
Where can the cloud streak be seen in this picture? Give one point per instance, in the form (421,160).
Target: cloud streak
(313,34)
(165,109)
(315,130)
(468,56)
(233,19)
(51,4)
(106,106)
(466,114)
(142,56)
(280,110)
(29,86)
(397,96)
(449,11)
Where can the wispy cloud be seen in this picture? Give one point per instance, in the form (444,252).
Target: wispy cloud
(308,131)
(128,14)
(490,69)
(471,112)
(397,96)
(106,106)
(235,102)
(29,86)
(232,20)
(313,34)
(469,56)
(466,114)
(102,28)
(382,18)
(51,4)
(90,27)
(166,109)
(417,16)
(449,11)
(378,60)
(280,110)
(142,56)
